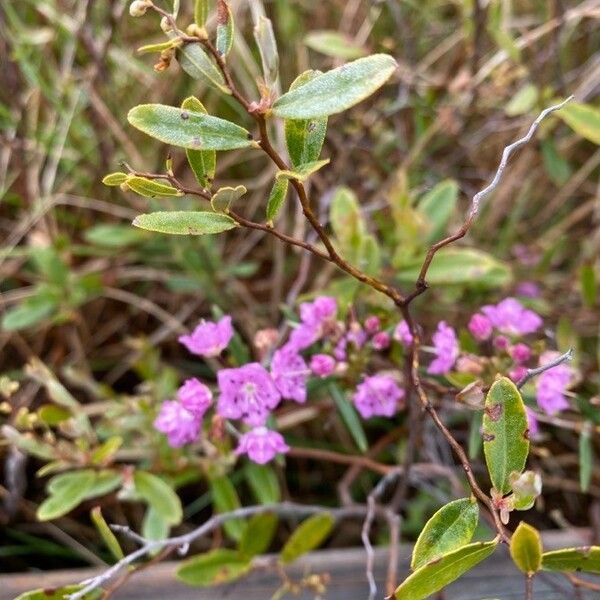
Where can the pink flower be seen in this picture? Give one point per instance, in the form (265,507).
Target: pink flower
(209,339)
(378,395)
(340,349)
(552,384)
(501,342)
(356,335)
(446,349)
(517,373)
(261,445)
(195,397)
(381,340)
(179,424)
(289,372)
(402,334)
(322,365)
(480,326)
(247,393)
(520,353)
(512,318)
(372,324)
(315,318)
(532,421)
(528,289)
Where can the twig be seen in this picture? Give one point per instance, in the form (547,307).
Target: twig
(529,587)
(531,373)
(183,541)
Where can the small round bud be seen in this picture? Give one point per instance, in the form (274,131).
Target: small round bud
(165,25)
(138,8)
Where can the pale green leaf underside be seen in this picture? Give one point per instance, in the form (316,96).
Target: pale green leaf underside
(188,129)
(185,222)
(159,495)
(451,527)
(336,90)
(276,198)
(583,119)
(586,558)
(198,65)
(217,566)
(202,162)
(225,196)
(434,576)
(505,433)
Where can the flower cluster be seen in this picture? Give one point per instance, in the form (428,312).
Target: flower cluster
(321,345)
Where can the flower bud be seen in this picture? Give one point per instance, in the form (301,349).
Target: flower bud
(138,8)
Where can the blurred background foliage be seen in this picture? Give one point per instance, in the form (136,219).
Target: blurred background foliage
(91,307)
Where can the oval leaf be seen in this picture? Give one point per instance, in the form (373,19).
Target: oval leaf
(267,47)
(263,482)
(307,536)
(526,549)
(224,28)
(258,535)
(460,266)
(434,576)
(304,137)
(198,65)
(188,129)
(114,179)
(58,593)
(567,560)
(438,206)
(185,222)
(333,43)
(225,196)
(29,312)
(336,90)
(66,490)
(159,495)
(225,499)
(202,162)
(276,198)
(214,567)
(505,433)
(449,528)
(583,119)
(150,189)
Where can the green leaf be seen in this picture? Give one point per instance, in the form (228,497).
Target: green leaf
(200,12)
(29,444)
(505,433)
(188,129)
(258,535)
(437,206)
(333,43)
(149,188)
(159,495)
(113,236)
(451,527)
(263,482)
(52,415)
(108,537)
(588,284)
(213,568)
(557,168)
(276,198)
(336,90)
(198,65)
(567,560)
(225,499)
(584,119)
(267,48)
(307,536)
(302,172)
(434,576)
(225,196)
(523,101)
(150,48)
(106,451)
(58,593)
(586,457)
(350,418)
(526,549)
(225,28)
(154,525)
(105,481)
(185,222)
(202,162)
(304,137)
(113,179)
(31,311)
(66,490)
(347,223)
(460,266)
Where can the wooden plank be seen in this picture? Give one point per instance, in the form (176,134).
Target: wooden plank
(495,578)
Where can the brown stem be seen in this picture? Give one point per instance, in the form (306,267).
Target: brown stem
(529,587)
